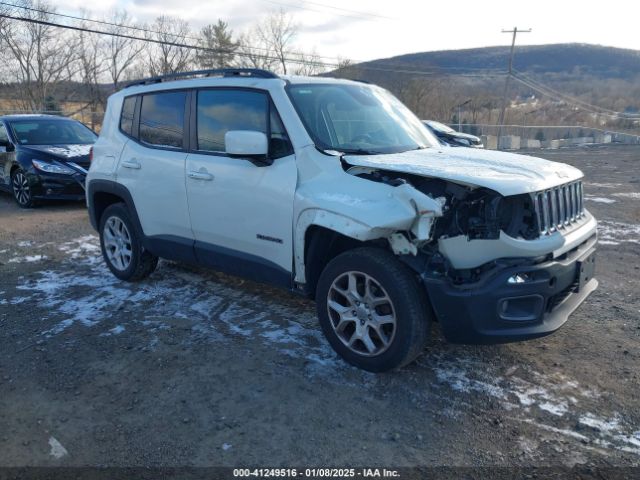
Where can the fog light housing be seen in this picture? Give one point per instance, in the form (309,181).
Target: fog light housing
(521,309)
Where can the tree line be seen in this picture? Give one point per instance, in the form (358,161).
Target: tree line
(46,64)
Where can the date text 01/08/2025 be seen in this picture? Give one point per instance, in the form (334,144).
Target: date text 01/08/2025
(315,473)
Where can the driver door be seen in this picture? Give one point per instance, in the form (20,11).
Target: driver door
(241,214)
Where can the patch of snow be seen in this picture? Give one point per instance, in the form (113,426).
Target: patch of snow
(633,195)
(27,259)
(599,199)
(604,185)
(57,450)
(226,446)
(618,232)
(117,330)
(25,243)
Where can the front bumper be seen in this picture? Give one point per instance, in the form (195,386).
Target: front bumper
(497,311)
(57,187)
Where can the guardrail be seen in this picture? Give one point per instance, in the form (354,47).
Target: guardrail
(515,137)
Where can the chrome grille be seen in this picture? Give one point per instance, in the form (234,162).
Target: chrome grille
(559,207)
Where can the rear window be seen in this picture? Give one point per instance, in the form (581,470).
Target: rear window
(126,118)
(162,119)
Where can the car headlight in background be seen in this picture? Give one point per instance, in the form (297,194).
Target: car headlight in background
(52,167)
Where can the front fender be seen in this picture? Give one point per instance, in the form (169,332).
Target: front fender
(377,211)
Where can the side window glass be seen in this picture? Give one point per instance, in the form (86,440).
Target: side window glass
(220,111)
(279,144)
(126,117)
(162,119)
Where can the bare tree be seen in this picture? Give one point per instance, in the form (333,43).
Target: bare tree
(309,64)
(253,52)
(168,57)
(122,54)
(278,32)
(38,57)
(218,39)
(92,67)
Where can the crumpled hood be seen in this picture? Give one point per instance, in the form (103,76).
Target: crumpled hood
(78,154)
(505,173)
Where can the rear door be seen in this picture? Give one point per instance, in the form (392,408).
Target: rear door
(241,214)
(152,163)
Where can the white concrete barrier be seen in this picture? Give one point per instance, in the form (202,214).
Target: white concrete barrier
(509,142)
(490,142)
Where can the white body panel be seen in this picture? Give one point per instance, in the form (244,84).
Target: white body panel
(242,207)
(227,201)
(156,180)
(503,172)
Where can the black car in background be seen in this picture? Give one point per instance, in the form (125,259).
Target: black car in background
(448,136)
(43,157)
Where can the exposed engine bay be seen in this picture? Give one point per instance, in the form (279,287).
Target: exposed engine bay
(477,213)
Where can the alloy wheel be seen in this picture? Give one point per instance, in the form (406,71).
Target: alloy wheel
(21,190)
(361,313)
(117,243)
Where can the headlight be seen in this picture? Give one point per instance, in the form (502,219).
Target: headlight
(52,167)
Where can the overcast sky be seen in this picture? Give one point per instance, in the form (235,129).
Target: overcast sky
(369,29)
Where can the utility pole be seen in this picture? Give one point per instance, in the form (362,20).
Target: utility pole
(506,82)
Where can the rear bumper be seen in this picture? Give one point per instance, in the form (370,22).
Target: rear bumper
(497,311)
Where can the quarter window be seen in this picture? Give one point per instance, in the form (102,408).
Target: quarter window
(279,144)
(4,137)
(126,118)
(162,119)
(220,111)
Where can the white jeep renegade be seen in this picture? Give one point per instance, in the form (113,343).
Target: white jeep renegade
(334,189)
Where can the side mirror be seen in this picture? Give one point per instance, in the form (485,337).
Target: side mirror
(6,147)
(246,143)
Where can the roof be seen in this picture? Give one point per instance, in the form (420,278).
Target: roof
(33,116)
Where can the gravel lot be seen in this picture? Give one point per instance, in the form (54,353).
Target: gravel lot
(196,368)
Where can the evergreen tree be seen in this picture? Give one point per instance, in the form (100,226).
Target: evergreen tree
(217,37)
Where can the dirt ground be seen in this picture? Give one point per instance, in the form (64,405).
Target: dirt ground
(194,368)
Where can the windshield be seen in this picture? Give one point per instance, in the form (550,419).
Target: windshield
(361,119)
(440,126)
(52,132)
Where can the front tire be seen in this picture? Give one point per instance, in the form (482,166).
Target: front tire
(122,249)
(372,309)
(21,189)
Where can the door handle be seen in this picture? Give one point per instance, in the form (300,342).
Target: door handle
(131,164)
(201,175)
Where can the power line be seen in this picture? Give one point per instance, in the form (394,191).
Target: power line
(130,27)
(560,97)
(509,74)
(369,14)
(336,61)
(570,99)
(223,51)
(354,14)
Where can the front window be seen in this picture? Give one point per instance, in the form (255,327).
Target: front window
(52,132)
(361,119)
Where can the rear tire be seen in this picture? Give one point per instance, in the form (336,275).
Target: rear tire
(372,309)
(121,246)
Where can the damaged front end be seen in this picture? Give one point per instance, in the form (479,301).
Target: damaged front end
(496,268)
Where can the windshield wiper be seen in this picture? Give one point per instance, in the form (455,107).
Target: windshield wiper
(360,151)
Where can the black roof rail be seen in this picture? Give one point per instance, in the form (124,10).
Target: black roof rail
(220,72)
